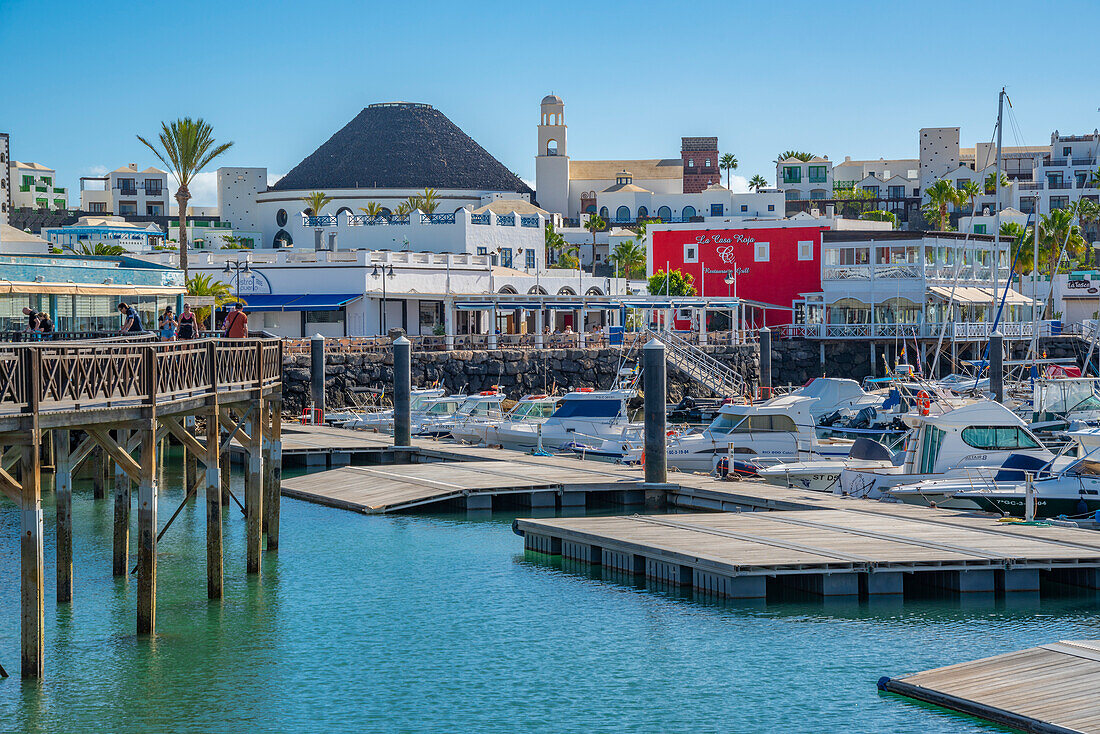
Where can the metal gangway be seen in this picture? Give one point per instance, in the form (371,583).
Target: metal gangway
(700,367)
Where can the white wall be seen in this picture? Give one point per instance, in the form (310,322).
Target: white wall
(237,191)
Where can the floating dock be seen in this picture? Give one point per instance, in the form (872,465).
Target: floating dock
(1050,688)
(865,549)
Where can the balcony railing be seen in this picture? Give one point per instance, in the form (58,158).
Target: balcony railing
(1060,184)
(1031,185)
(818,179)
(506,220)
(958,330)
(480,218)
(1084,161)
(42,189)
(527,221)
(159,191)
(127,192)
(58,189)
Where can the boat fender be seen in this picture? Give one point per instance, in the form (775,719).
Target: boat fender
(515,528)
(882,682)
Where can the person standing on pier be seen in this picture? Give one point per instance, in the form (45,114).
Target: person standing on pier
(186,328)
(132,319)
(167,325)
(235,325)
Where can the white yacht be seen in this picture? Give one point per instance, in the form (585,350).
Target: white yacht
(473,409)
(823,475)
(835,393)
(584,416)
(780,429)
(972,440)
(382,420)
(484,429)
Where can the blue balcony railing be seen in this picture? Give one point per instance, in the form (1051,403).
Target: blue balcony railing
(480,218)
(438,218)
(529,221)
(506,220)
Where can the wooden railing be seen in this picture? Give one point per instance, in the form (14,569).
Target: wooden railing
(19,337)
(70,376)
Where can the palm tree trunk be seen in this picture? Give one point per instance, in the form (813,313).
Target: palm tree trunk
(182,197)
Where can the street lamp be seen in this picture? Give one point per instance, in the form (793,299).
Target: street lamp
(235,269)
(376,274)
(732,280)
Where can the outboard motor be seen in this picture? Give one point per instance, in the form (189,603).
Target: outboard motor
(863,418)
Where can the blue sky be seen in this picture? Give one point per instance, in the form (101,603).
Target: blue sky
(81,79)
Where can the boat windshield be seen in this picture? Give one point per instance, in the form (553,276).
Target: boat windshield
(444,408)
(479,407)
(532,411)
(418,403)
(740,423)
(581,408)
(1069,396)
(1085,467)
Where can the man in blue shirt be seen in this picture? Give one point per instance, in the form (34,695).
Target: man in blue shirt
(131,317)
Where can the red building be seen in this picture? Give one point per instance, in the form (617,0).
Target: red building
(774,262)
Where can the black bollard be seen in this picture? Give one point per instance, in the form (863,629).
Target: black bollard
(996,366)
(765,362)
(653,374)
(402,392)
(317,377)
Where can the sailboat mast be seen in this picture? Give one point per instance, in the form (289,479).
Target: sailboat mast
(997,206)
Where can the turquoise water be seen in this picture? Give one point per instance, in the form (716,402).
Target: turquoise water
(441,624)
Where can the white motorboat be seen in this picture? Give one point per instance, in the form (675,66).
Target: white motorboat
(483,429)
(382,420)
(835,393)
(584,416)
(969,441)
(473,409)
(823,475)
(780,429)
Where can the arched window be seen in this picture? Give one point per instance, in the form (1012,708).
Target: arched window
(622,214)
(849,311)
(344,210)
(642,212)
(593,291)
(536,290)
(507,289)
(688,212)
(590,209)
(282,239)
(385,212)
(551,147)
(566,291)
(603,213)
(664,214)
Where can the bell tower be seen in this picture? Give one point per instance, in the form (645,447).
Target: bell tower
(551,161)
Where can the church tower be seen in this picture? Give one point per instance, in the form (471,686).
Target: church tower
(551,161)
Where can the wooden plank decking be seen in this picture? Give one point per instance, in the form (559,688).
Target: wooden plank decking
(1050,688)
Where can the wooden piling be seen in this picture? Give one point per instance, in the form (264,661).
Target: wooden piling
(98,462)
(213,494)
(63,491)
(254,488)
(32,556)
(273,474)
(190,460)
(147,503)
(120,564)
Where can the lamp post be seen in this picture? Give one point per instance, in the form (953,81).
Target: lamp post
(383,274)
(235,269)
(732,280)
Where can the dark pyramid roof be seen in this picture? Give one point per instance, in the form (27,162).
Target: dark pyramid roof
(404,146)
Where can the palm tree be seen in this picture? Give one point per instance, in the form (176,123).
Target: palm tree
(798,155)
(728,163)
(569,258)
(429,201)
(1094,179)
(757,182)
(1055,230)
(1023,254)
(403,209)
(630,257)
(188,147)
(553,241)
(968,193)
(1088,214)
(316,201)
(100,249)
(594,224)
(204,284)
(373,209)
(991,182)
(940,195)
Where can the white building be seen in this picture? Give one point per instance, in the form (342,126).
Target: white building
(126,191)
(1062,174)
(237,192)
(34,186)
(88,232)
(798,179)
(367,293)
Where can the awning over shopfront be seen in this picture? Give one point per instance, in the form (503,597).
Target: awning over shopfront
(9,287)
(971,294)
(299,301)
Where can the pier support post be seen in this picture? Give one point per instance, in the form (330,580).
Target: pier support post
(98,462)
(273,480)
(996,366)
(317,372)
(765,362)
(402,392)
(147,534)
(213,494)
(32,560)
(653,373)
(190,460)
(254,489)
(120,564)
(63,491)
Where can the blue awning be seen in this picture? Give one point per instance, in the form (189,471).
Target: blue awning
(299,301)
(565,306)
(473,306)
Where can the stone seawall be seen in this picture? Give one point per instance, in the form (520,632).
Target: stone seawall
(516,371)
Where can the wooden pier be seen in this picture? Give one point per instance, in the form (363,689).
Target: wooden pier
(865,549)
(1050,688)
(119,399)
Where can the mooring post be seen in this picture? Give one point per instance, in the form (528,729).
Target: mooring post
(653,374)
(996,366)
(31,553)
(402,392)
(190,460)
(317,375)
(213,483)
(147,502)
(63,491)
(254,489)
(273,481)
(99,473)
(765,362)
(121,557)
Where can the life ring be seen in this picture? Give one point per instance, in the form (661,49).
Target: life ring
(670,432)
(488,392)
(923,402)
(586,389)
